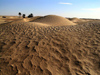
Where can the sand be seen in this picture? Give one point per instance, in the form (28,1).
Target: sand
(8,19)
(79,21)
(53,20)
(34,48)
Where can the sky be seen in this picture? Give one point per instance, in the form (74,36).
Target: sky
(65,8)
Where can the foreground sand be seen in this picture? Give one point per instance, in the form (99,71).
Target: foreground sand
(29,48)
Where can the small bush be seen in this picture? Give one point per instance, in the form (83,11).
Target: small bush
(31,15)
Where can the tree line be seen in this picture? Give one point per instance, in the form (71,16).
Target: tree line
(23,15)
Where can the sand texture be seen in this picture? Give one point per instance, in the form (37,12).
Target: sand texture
(38,48)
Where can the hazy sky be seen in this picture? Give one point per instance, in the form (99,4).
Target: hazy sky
(65,8)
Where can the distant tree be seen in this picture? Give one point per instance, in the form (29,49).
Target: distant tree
(19,14)
(23,15)
(3,16)
(30,15)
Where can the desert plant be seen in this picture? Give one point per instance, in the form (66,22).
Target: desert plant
(31,15)
(19,14)
(23,15)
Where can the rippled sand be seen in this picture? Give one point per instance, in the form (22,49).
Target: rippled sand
(34,48)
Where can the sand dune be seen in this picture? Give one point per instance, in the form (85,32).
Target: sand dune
(29,48)
(77,20)
(54,20)
(51,20)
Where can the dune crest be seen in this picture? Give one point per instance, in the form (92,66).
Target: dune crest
(54,20)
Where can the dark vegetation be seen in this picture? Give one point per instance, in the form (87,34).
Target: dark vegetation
(19,14)
(23,15)
(3,16)
(29,16)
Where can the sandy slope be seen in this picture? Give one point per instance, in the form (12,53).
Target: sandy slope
(54,20)
(31,49)
(79,21)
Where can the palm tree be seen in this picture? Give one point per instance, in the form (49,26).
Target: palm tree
(19,14)
(23,15)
